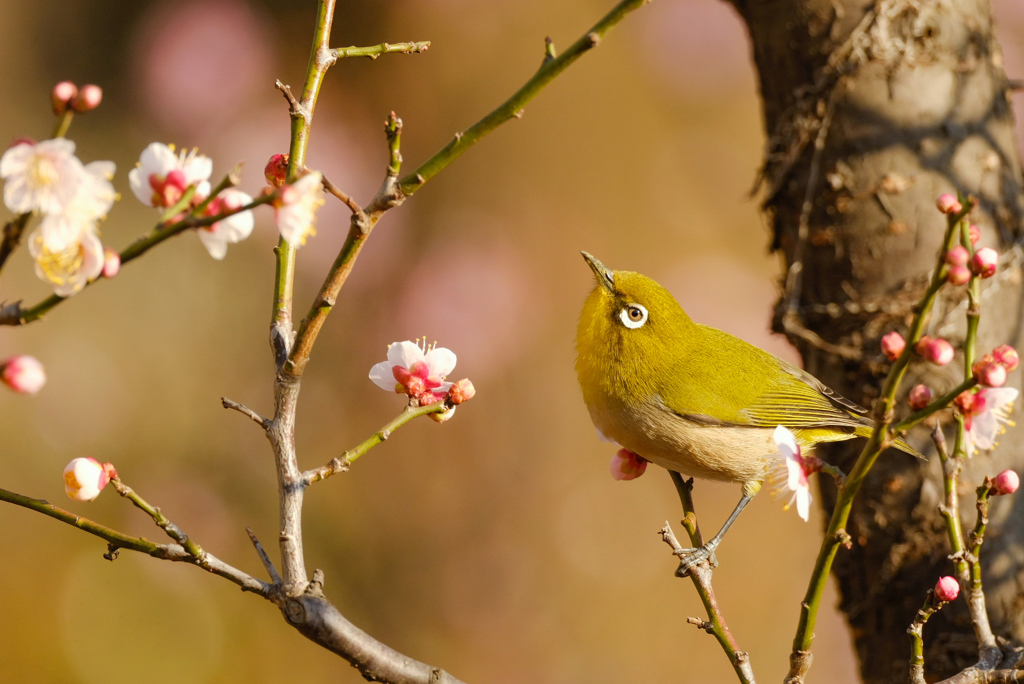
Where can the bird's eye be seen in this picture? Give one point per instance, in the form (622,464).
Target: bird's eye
(633,316)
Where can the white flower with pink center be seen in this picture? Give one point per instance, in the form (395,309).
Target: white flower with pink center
(296,206)
(791,473)
(234,228)
(23,374)
(161,177)
(415,369)
(91,203)
(986,414)
(85,478)
(40,177)
(67,270)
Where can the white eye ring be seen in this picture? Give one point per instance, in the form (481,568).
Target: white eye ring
(633,316)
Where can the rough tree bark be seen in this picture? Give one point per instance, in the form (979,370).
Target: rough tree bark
(873,109)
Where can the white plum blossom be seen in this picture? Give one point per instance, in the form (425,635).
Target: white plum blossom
(986,414)
(796,469)
(85,478)
(234,228)
(295,208)
(40,177)
(161,177)
(92,201)
(68,270)
(415,369)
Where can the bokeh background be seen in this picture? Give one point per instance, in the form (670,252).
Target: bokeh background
(497,545)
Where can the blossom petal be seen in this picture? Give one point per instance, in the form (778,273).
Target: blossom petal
(786,441)
(404,354)
(440,361)
(803,503)
(382,376)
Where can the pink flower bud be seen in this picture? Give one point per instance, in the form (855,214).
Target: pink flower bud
(892,345)
(948,204)
(920,396)
(461,391)
(989,373)
(958,256)
(23,374)
(111,262)
(985,261)
(276,170)
(958,275)
(938,351)
(1005,482)
(975,234)
(88,98)
(947,588)
(922,344)
(85,478)
(61,95)
(1007,356)
(626,465)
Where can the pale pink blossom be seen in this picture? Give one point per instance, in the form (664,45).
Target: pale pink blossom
(68,270)
(85,478)
(986,414)
(797,468)
(625,465)
(295,208)
(161,177)
(417,370)
(40,177)
(230,230)
(23,374)
(92,201)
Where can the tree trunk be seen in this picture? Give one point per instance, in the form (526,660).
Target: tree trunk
(872,112)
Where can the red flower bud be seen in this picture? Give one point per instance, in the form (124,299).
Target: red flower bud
(958,256)
(88,99)
(1005,482)
(989,373)
(892,345)
(938,351)
(461,391)
(975,234)
(947,588)
(276,170)
(1007,356)
(958,275)
(948,204)
(985,261)
(920,396)
(61,95)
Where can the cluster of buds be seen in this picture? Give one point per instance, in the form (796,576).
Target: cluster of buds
(991,370)
(85,478)
(418,370)
(66,95)
(956,259)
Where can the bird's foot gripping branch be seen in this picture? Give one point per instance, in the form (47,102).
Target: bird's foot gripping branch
(654,382)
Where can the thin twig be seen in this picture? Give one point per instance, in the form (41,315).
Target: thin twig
(349,202)
(268,564)
(375,51)
(161,520)
(245,411)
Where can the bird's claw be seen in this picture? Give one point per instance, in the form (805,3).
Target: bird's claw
(690,558)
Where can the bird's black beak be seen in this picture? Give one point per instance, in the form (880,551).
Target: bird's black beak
(604,276)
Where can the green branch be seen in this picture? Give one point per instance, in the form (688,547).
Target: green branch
(375,51)
(513,107)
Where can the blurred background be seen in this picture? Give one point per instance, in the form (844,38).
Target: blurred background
(496,545)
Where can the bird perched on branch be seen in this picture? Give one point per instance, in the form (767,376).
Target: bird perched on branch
(694,399)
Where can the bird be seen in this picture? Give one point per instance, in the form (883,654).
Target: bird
(692,398)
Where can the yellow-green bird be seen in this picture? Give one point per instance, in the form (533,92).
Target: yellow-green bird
(694,399)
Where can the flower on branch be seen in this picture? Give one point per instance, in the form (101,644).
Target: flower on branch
(85,478)
(40,177)
(235,228)
(161,177)
(91,202)
(626,465)
(68,270)
(295,208)
(23,374)
(792,471)
(986,415)
(415,369)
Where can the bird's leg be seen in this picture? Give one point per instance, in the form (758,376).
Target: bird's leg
(691,557)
